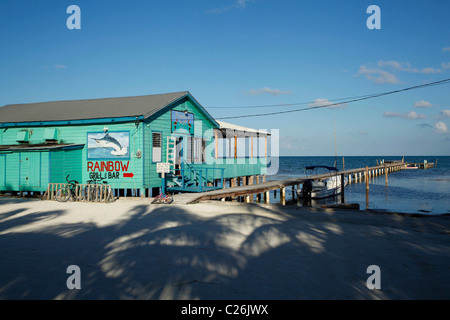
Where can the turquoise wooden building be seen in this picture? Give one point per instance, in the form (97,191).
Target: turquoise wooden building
(121,141)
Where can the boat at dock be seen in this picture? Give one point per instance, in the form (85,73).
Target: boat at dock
(320,189)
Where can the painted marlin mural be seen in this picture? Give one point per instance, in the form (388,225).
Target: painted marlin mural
(109,142)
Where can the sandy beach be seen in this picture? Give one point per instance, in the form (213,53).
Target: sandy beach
(132,249)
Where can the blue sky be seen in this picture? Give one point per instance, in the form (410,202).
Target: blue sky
(240,53)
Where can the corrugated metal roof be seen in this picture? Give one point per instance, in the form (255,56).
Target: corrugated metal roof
(88,109)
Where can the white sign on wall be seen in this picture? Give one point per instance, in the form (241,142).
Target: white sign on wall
(163,167)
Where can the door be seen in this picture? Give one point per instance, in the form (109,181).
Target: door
(30,170)
(179,150)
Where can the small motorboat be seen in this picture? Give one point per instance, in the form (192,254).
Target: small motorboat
(320,189)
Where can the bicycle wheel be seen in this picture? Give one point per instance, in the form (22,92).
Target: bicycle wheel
(167,200)
(63,195)
(94,194)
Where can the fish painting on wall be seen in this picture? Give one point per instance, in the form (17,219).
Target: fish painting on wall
(109,145)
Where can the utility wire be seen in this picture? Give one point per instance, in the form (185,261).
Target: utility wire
(285,104)
(355,99)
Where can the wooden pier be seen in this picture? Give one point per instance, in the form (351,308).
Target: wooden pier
(260,192)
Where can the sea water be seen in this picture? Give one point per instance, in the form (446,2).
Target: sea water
(425,191)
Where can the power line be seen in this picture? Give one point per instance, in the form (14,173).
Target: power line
(351,100)
(284,104)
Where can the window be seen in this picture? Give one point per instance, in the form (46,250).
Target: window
(196,150)
(241,149)
(189,148)
(203,150)
(156,142)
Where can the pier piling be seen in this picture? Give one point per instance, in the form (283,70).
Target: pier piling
(367,187)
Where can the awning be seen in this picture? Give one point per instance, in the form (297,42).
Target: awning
(240,130)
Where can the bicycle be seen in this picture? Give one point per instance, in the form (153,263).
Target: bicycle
(91,193)
(163,199)
(68,191)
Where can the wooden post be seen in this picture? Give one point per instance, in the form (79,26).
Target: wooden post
(235,146)
(258,195)
(233,184)
(367,187)
(283,196)
(386,174)
(343,164)
(342,188)
(265,147)
(250,182)
(267,197)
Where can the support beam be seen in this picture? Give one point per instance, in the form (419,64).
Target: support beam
(283,196)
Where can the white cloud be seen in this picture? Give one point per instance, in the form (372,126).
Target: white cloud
(384,70)
(446,49)
(377,75)
(406,67)
(323,102)
(422,104)
(440,127)
(409,116)
(445,114)
(445,65)
(274,92)
(55,66)
(238,4)
(393,64)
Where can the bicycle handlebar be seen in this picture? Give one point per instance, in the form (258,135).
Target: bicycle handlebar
(71,181)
